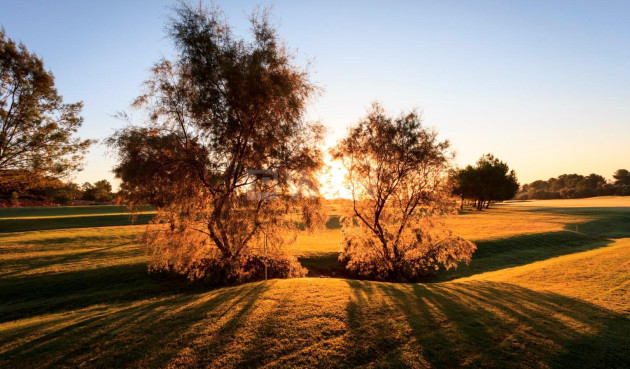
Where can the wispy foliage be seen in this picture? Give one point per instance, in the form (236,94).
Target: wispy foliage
(226,155)
(396,172)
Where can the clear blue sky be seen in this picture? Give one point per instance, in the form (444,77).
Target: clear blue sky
(543,85)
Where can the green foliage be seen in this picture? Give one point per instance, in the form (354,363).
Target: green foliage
(37,130)
(100,191)
(622,177)
(53,191)
(489,180)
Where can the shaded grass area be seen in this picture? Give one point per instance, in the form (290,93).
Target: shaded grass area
(329,323)
(25,224)
(524,249)
(600,276)
(50,271)
(521,250)
(318,252)
(49,211)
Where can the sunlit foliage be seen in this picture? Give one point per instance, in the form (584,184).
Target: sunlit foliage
(226,155)
(396,173)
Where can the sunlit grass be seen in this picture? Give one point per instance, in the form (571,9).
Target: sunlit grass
(548,287)
(600,276)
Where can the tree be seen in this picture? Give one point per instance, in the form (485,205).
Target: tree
(490,180)
(225,155)
(36,128)
(67,193)
(397,175)
(464,184)
(103,191)
(100,191)
(622,177)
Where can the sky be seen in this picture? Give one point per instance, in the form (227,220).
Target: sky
(544,86)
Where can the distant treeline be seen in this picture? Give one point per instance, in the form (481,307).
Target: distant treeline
(574,186)
(52,191)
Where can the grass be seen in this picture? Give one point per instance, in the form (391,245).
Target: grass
(63,217)
(544,295)
(61,211)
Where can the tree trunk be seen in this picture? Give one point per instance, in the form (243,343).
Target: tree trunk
(461,206)
(488,204)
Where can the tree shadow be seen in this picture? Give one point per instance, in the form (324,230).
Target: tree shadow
(41,224)
(87,256)
(521,250)
(30,295)
(322,264)
(609,222)
(483,324)
(143,333)
(501,253)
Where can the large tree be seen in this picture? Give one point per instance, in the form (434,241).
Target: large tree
(37,130)
(226,155)
(397,175)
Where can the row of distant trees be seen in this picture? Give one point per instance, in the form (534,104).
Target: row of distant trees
(573,186)
(55,191)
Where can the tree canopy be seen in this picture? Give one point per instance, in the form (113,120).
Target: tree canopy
(225,155)
(397,172)
(489,180)
(37,130)
(622,177)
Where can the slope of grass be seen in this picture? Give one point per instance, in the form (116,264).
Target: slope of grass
(326,323)
(600,276)
(556,298)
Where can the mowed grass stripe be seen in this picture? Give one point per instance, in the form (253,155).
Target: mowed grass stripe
(101,220)
(42,211)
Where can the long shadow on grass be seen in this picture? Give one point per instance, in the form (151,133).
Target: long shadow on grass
(146,333)
(40,224)
(481,324)
(515,251)
(48,293)
(323,264)
(86,257)
(49,211)
(520,250)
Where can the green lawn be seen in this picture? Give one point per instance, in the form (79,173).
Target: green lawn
(62,217)
(552,290)
(61,211)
